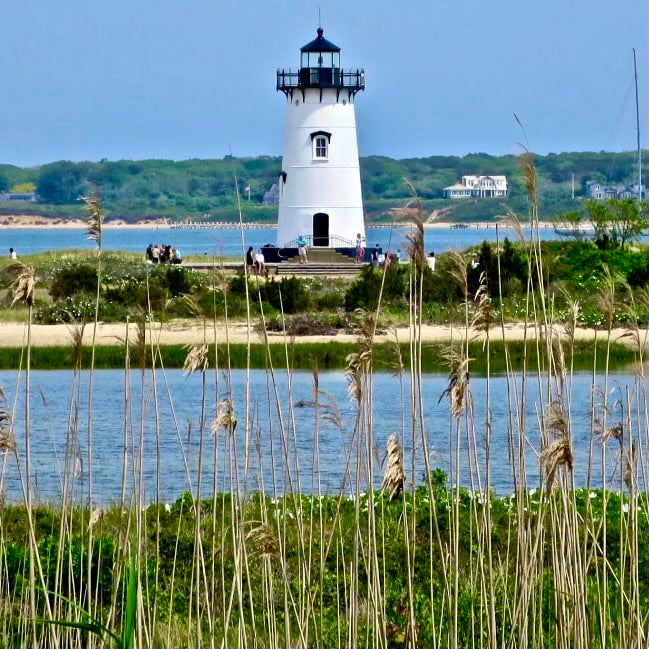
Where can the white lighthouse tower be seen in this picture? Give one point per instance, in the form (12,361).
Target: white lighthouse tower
(320,183)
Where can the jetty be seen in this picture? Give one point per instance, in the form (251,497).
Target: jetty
(216,225)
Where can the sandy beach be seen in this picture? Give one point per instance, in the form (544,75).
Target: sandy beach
(187,332)
(11,221)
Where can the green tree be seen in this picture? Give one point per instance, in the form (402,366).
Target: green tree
(616,221)
(61,183)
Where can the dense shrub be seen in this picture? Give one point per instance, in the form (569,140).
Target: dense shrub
(510,265)
(364,292)
(78,278)
(289,295)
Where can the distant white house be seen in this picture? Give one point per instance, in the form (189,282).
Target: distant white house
(600,192)
(478,187)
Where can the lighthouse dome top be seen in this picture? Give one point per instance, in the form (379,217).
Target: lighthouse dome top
(320,44)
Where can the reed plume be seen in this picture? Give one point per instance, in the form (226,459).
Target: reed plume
(225,417)
(24,283)
(607,433)
(556,421)
(95,218)
(555,455)
(483,316)
(265,543)
(197,359)
(455,359)
(394,477)
(7,440)
(330,410)
(358,363)
(511,220)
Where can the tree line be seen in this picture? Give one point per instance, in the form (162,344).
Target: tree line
(140,189)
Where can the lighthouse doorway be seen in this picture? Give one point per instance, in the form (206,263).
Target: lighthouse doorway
(321,229)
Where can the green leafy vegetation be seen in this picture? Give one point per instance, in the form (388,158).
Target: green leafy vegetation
(274,535)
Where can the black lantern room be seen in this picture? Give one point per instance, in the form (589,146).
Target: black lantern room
(320,68)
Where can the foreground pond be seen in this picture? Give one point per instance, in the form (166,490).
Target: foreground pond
(288,447)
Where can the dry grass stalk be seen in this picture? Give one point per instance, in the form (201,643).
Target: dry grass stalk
(554,456)
(558,356)
(415,240)
(76,336)
(526,163)
(454,357)
(394,477)
(614,432)
(511,220)
(574,309)
(395,358)
(605,299)
(23,284)
(629,472)
(225,417)
(458,269)
(138,347)
(95,217)
(197,359)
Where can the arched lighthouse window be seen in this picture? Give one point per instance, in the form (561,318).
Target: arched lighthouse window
(320,143)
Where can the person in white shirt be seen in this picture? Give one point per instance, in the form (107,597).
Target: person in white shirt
(12,254)
(260,262)
(431,260)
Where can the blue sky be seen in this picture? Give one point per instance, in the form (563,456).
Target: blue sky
(177,79)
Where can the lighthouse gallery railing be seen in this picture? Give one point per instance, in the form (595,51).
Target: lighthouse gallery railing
(321,78)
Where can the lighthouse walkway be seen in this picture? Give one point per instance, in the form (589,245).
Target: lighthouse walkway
(322,262)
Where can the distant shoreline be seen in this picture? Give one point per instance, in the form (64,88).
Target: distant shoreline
(24,222)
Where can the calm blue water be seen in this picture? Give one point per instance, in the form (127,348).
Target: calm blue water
(275,459)
(227,241)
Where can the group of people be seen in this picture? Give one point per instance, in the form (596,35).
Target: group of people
(377,258)
(380,260)
(162,254)
(255,261)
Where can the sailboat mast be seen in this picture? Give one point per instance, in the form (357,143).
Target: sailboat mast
(637,127)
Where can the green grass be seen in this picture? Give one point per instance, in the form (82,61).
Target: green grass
(325,356)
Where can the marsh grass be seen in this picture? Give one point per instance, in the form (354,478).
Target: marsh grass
(328,356)
(427,561)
